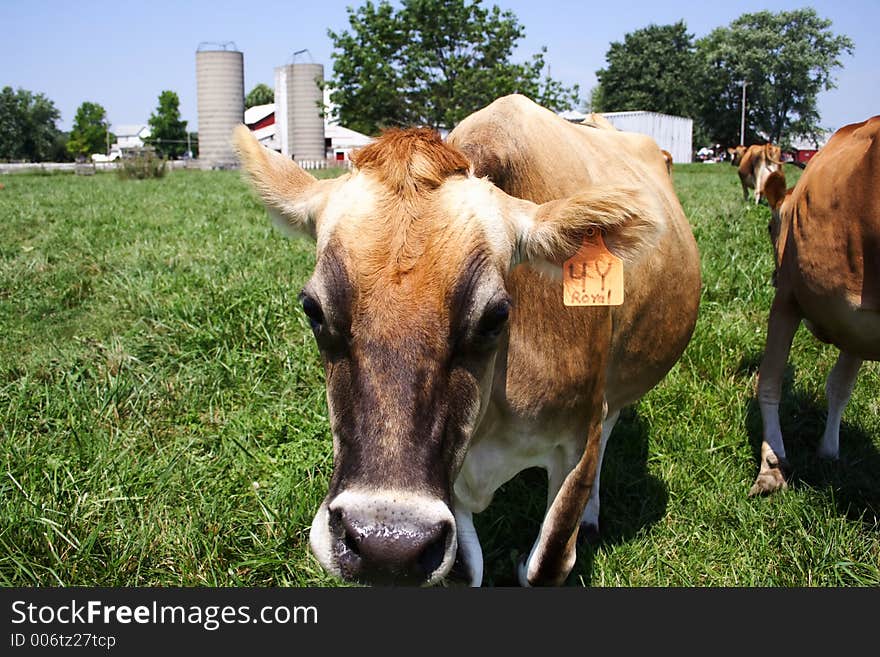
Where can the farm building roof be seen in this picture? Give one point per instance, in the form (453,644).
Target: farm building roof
(257,113)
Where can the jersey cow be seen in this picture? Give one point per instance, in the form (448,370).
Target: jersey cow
(826,240)
(754,163)
(451,362)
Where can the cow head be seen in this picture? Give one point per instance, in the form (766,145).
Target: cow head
(736,154)
(409,308)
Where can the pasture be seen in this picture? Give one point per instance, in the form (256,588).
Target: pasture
(163,422)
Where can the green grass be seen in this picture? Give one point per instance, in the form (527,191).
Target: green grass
(163,421)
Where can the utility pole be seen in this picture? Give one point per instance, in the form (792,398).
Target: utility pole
(742,124)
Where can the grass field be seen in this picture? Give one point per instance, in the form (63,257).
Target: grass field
(164,422)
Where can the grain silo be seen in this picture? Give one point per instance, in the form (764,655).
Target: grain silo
(220,91)
(299,111)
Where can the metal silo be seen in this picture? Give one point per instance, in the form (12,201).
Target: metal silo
(299,111)
(220,90)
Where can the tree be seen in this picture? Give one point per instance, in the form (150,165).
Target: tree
(262,94)
(59,152)
(91,131)
(432,62)
(28,128)
(167,131)
(786,59)
(653,69)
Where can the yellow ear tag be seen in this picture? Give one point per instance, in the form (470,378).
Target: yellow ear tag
(593,276)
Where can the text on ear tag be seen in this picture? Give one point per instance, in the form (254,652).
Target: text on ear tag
(593,276)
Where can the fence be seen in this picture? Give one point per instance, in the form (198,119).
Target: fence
(24,167)
(327,163)
(34,167)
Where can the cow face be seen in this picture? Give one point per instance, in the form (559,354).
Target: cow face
(409,310)
(736,154)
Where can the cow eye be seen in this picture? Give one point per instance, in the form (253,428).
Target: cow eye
(312,310)
(494,320)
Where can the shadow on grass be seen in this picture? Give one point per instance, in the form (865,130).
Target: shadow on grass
(631,499)
(851,483)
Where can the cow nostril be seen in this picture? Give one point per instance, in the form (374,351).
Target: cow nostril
(351,544)
(344,531)
(434,553)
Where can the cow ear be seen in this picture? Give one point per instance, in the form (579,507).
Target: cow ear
(774,189)
(288,191)
(631,225)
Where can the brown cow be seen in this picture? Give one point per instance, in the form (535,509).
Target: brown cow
(449,368)
(826,240)
(754,164)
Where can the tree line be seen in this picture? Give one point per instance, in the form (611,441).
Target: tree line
(29,129)
(433,62)
(783,59)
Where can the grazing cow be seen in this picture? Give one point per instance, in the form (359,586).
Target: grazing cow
(449,368)
(754,164)
(826,240)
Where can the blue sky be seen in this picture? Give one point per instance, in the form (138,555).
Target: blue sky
(123,54)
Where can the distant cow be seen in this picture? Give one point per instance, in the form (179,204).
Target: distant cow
(449,368)
(826,239)
(754,163)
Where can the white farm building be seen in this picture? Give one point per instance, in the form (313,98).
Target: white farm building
(339,142)
(672,133)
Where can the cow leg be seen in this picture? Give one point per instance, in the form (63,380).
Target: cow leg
(553,554)
(838,388)
(781,327)
(469,550)
(590,520)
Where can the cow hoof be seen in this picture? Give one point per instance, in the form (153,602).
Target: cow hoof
(771,477)
(588,535)
(767,482)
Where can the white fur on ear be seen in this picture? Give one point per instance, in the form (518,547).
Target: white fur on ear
(631,223)
(285,188)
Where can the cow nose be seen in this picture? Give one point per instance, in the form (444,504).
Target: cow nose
(378,553)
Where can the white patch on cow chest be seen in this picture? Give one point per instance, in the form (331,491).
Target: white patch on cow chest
(502,448)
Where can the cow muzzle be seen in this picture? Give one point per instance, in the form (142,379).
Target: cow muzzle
(385,537)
